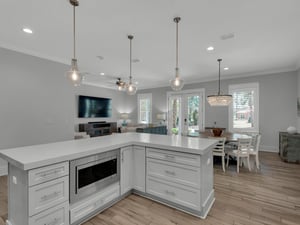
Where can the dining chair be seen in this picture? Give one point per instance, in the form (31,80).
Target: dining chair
(254,148)
(218,150)
(242,151)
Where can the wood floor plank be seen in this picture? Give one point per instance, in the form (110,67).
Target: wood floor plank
(269,196)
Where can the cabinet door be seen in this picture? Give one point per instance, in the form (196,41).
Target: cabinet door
(139,168)
(126,169)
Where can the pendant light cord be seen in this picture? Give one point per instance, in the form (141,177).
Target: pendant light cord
(130,55)
(177,44)
(74,41)
(219,76)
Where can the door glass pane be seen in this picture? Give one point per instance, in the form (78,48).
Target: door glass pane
(174,120)
(193,114)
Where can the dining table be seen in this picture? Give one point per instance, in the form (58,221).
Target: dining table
(230,137)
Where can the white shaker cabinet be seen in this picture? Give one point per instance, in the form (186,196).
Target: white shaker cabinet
(39,196)
(139,168)
(126,169)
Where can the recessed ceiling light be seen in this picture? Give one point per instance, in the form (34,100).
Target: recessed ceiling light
(136,82)
(27,30)
(227,36)
(135,60)
(210,48)
(226,68)
(102,74)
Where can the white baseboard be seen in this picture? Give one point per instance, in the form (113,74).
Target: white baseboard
(266,148)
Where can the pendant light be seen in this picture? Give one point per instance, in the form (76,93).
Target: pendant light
(219,100)
(177,83)
(131,88)
(74,75)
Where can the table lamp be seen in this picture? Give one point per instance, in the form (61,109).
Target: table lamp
(124,116)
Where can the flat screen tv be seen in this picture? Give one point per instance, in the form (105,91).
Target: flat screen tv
(89,107)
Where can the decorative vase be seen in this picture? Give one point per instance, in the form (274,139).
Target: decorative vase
(291,130)
(217,132)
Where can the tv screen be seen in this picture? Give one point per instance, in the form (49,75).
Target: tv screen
(93,107)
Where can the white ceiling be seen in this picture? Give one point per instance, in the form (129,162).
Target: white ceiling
(267,36)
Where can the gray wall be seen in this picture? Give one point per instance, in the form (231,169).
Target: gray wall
(277,104)
(38,104)
(298,119)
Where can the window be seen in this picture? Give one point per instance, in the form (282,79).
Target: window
(244,110)
(145,108)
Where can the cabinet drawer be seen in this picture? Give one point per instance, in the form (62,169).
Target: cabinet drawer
(178,157)
(80,210)
(179,194)
(173,172)
(58,215)
(43,174)
(49,194)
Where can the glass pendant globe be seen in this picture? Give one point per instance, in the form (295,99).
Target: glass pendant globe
(131,89)
(177,83)
(74,75)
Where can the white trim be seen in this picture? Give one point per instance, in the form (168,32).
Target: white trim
(243,87)
(140,97)
(266,148)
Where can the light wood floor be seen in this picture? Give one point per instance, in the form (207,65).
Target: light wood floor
(268,196)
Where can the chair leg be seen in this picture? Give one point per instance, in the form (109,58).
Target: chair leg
(223,163)
(238,164)
(227,160)
(248,161)
(257,161)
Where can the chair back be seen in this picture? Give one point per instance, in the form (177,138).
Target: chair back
(244,144)
(257,143)
(220,146)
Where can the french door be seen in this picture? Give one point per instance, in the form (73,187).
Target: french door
(186,112)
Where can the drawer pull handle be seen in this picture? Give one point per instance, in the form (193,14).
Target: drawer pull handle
(53,222)
(47,197)
(170,156)
(170,172)
(54,172)
(170,193)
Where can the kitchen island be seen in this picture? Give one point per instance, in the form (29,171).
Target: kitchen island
(174,170)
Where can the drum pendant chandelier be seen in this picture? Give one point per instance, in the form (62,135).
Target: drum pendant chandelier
(177,83)
(219,99)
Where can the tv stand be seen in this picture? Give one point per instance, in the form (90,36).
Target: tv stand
(95,129)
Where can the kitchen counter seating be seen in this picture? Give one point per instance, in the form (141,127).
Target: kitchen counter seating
(39,176)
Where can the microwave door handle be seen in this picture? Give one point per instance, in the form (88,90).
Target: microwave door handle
(76,180)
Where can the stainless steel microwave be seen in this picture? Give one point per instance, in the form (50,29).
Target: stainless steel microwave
(91,174)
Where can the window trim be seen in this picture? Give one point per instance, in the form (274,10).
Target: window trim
(243,87)
(139,98)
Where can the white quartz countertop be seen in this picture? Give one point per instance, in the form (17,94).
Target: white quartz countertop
(31,157)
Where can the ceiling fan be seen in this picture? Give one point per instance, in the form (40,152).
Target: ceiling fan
(121,84)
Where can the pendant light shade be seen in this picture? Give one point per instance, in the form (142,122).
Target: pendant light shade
(177,83)
(130,88)
(74,75)
(219,99)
